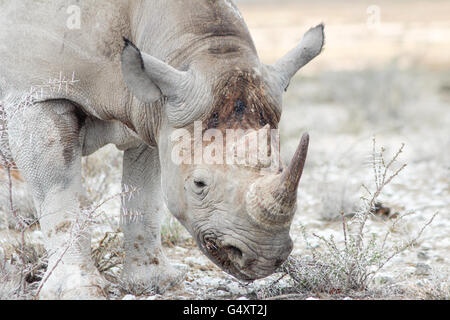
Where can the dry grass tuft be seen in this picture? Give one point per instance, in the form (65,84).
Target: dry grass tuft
(109,252)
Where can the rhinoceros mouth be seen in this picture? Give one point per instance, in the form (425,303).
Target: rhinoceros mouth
(219,254)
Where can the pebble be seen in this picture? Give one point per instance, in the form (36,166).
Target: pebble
(129,297)
(312,298)
(193,261)
(236,289)
(422,255)
(423,269)
(383,280)
(181,267)
(206,282)
(181,249)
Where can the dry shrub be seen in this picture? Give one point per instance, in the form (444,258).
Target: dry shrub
(109,252)
(349,267)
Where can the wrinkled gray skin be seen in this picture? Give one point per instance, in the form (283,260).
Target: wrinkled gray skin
(135,100)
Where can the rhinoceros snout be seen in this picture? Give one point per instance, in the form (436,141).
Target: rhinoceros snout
(243,261)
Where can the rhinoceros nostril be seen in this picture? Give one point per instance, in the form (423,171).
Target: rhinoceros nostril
(234,253)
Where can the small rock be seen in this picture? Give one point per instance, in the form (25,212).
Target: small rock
(155,297)
(381,210)
(423,269)
(114,291)
(422,255)
(181,249)
(242,298)
(181,267)
(218,292)
(208,282)
(193,261)
(348,298)
(312,298)
(383,280)
(236,289)
(129,297)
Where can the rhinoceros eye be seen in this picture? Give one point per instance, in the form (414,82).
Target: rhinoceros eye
(199,183)
(199,188)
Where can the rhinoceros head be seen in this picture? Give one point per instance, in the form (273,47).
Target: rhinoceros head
(238,206)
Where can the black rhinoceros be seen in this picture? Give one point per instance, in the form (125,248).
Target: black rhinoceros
(73,80)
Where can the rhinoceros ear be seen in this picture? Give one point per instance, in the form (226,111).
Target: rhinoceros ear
(149,78)
(310,46)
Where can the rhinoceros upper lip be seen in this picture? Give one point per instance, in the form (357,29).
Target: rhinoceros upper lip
(211,246)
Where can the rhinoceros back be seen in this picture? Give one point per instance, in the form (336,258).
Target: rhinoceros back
(49,46)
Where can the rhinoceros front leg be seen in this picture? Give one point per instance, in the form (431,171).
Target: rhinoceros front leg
(45,143)
(145,266)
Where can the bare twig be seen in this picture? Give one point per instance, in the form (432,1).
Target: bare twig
(344,227)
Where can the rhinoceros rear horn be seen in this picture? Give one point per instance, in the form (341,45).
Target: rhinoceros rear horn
(309,47)
(147,77)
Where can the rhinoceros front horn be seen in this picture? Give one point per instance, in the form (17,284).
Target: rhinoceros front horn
(271,201)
